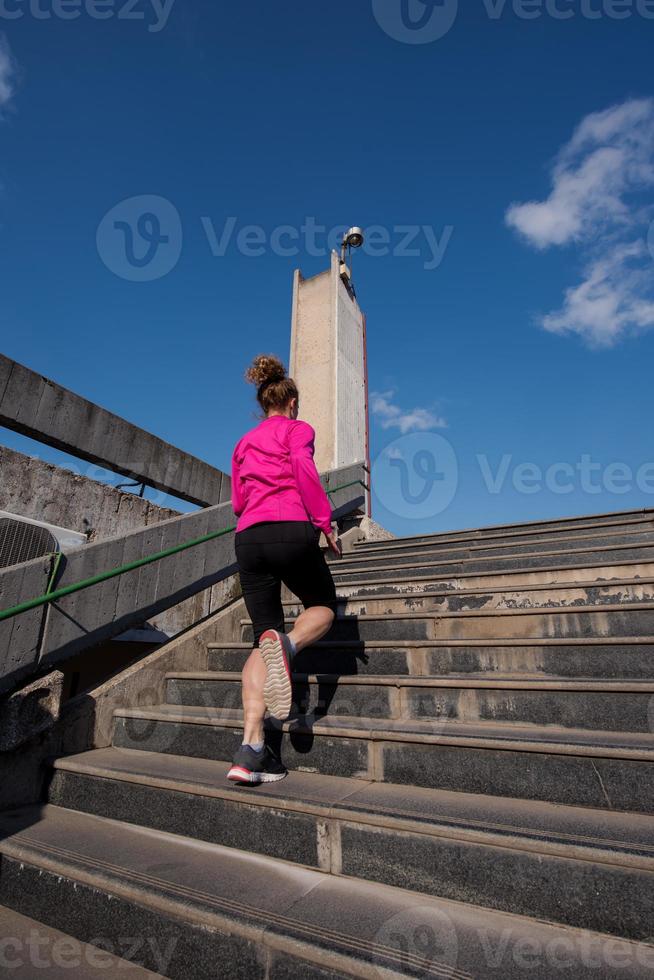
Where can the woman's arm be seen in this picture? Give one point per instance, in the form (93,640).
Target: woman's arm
(316,502)
(237,495)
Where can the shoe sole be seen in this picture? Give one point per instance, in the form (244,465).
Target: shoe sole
(277,688)
(237,774)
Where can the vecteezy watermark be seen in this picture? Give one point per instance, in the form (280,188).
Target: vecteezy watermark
(420,941)
(426,21)
(42,951)
(416,21)
(417,475)
(585,475)
(316,240)
(140,239)
(423,942)
(152,13)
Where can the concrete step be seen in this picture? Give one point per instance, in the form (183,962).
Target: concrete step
(562,622)
(596,704)
(259,917)
(385,571)
(557,575)
(610,657)
(492,538)
(29,949)
(582,523)
(380,599)
(349,657)
(485,549)
(572,766)
(588,868)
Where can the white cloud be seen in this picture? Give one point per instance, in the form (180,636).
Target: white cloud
(613,298)
(391,416)
(7,72)
(600,201)
(610,154)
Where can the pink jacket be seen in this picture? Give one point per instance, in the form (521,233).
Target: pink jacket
(274,477)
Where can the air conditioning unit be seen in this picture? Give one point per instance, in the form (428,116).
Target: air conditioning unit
(22,539)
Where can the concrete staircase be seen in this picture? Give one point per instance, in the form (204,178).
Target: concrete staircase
(471,791)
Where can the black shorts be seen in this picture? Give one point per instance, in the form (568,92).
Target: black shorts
(281,551)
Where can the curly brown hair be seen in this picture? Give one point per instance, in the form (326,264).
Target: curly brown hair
(274,388)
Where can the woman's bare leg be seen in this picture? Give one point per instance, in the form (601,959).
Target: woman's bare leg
(254,709)
(310,626)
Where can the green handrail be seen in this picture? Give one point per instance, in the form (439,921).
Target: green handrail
(103,576)
(52,596)
(354,483)
(57,555)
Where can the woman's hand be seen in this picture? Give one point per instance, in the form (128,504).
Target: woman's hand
(334,544)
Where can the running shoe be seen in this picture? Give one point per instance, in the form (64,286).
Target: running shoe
(275,649)
(252,767)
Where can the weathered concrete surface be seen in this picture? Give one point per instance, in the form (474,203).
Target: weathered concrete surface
(346,499)
(32,949)
(312,359)
(38,639)
(328,364)
(348,539)
(87,721)
(359,529)
(84,619)
(30,710)
(32,488)
(372,531)
(185,614)
(38,407)
(20,637)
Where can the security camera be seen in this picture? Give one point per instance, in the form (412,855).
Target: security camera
(353,238)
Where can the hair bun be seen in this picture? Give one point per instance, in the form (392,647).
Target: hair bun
(265,369)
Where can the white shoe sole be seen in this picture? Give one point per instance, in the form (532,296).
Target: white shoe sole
(239,775)
(277,688)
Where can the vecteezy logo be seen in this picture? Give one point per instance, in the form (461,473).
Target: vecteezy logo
(140,239)
(416,475)
(415,21)
(419,941)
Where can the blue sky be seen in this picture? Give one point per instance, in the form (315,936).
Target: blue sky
(528,340)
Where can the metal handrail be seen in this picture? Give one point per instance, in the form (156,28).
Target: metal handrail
(104,576)
(354,483)
(52,596)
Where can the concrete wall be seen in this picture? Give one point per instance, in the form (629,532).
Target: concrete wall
(372,531)
(36,640)
(312,360)
(86,722)
(38,407)
(39,639)
(31,488)
(350,394)
(327,362)
(44,492)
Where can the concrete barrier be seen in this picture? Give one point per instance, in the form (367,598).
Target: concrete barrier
(35,641)
(43,410)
